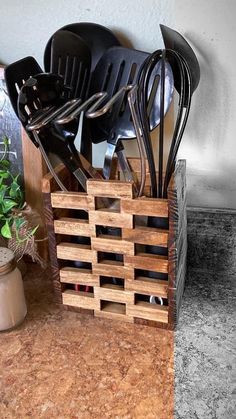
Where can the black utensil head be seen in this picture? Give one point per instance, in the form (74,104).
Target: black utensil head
(175,41)
(16,75)
(71,58)
(97,37)
(119,67)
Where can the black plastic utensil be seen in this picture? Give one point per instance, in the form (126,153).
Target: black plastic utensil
(15,76)
(97,37)
(173,40)
(186,71)
(71,58)
(118,68)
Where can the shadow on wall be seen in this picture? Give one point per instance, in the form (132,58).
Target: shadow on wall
(215,188)
(211,102)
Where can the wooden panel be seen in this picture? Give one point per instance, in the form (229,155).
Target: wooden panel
(109,188)
(72,200)
(143,285)
(145,206)
(114,245)
(114,268)
(148,311)
(72,251)
(34,170)
(134,164)
(74,227)
(146,235)
(54,265)
(110,218)
(81,276)
(80,299)
(148,261)
(116,295)
(113,316)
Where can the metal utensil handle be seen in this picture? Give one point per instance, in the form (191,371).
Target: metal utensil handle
(35,124)
(48,163)
(94,113)
(132,100)
(99,97)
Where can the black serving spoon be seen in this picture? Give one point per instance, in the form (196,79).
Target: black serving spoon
(99,39)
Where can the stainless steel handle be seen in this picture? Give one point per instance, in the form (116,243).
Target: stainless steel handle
(94,113)
(99,97)
(47,117)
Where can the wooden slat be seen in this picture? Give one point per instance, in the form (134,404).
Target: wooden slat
(80,276)
(109,188)
(80,299)
(116,295)
(114,245)
(134,163)
(74,227)
(148,311)
(72,200)
(114,268)
(80,252)
(147,261)
(34,170)
(146,235)
(113,316)
(111,219)
(147,286)
(145,206)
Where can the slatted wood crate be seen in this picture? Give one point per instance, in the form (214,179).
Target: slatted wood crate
(145,261)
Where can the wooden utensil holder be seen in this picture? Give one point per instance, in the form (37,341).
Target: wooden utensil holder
(127,299)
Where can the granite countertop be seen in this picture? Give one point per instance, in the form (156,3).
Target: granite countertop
(61,364)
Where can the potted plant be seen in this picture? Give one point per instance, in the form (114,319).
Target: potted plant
(17,226)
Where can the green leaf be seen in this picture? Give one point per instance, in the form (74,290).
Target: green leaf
(6,231)
(5,164)
(19,222)
(8,204)
(4,174)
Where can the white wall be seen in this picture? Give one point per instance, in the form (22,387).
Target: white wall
(26,25)
(209,144)
(209,141)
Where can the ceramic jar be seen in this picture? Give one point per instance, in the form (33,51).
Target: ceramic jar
(12,299)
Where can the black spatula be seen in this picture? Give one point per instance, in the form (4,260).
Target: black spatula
(117,68)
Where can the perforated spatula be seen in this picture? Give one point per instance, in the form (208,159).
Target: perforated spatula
(117,68)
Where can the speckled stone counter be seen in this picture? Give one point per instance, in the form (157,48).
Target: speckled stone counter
(60,364)
(205,349)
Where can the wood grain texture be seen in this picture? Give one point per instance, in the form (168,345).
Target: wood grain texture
(73,200)
(76,227)
(71,275)
(48,212)
(146,235)
(112,268)
(79,252)
(113,316)
(80,299)
(109,188)
(111,219)
(177,246)
(147,286)
(145,206)
(114,245)
(113,294)
(147,261)
(118,301)
(148,311)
